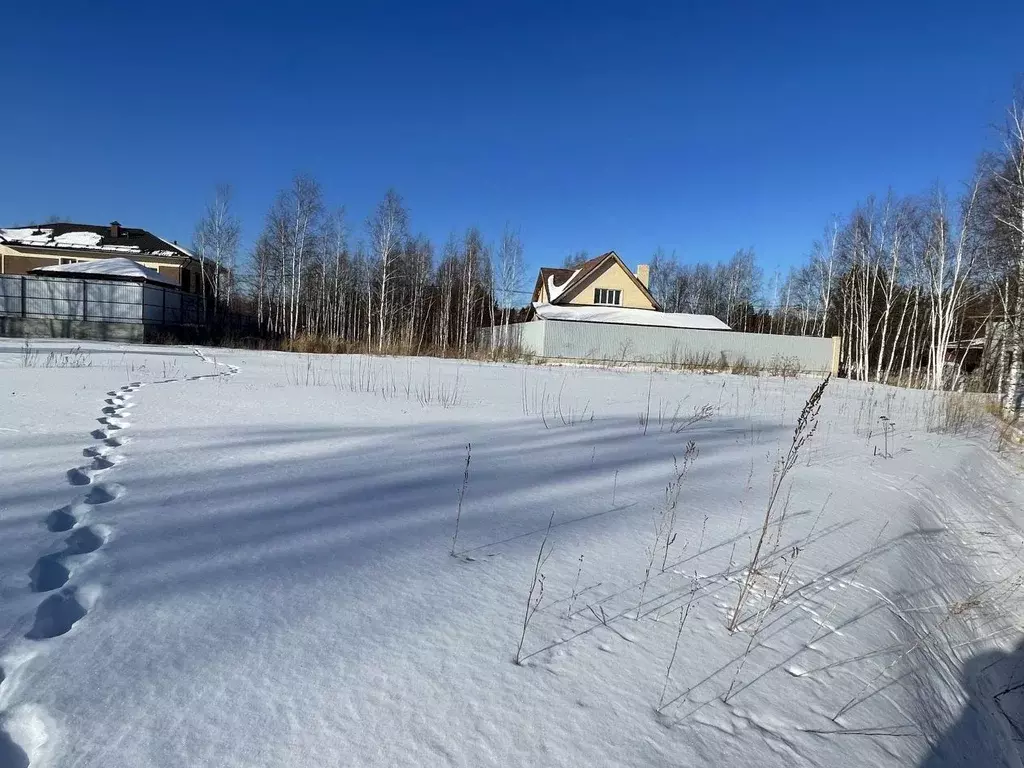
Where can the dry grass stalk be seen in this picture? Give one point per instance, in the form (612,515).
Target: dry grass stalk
(675,648)
(574,594)
(536,587)
(672,493)
(806,425)
(462,495)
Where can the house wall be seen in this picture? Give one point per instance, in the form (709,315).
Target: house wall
(542,294)
(606,342)
(170,271)
(612,276)
(14,262)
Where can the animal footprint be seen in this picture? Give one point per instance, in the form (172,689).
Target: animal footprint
(103,493)
(56,615)
(100,463)
(79,476)
(48,573)
(84,540)
(11,754)
(62,519)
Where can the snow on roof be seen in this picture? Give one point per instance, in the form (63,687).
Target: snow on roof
(626,316)
(107,239)
(77,240)
(176,249)
(27,235)
(554,291)
(119,267)
(43,236)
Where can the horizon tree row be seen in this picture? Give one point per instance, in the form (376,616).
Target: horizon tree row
(304,279)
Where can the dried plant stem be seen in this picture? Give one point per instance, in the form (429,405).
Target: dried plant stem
(462,495)
(806,425)
(536,586)
(672,493)
(675,647)
(575,586)
(647,414)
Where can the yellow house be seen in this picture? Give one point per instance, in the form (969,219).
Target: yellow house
(22,249)
(602,281)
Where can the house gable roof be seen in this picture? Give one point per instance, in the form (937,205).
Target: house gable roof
(131,241)
(571,282)
(551,276)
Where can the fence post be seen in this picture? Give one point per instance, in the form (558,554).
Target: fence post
(23,302)
(85,300)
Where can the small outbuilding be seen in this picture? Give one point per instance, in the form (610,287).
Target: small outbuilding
(117,269)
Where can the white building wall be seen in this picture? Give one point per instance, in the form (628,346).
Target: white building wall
(611,343)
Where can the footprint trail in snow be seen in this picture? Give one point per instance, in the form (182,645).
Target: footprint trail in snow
(24,733)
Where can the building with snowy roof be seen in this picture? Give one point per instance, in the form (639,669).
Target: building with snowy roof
(69,281)
(602,312)
(603,281)
(25,249)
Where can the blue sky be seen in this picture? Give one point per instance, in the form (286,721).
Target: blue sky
(698,127)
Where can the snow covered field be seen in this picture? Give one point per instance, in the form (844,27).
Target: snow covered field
(243,559)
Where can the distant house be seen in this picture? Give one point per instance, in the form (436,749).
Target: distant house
(602,312)
(601,281)
(603,290)
(24,249)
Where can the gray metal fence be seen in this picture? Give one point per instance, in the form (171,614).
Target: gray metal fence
(617,343)
(104,301)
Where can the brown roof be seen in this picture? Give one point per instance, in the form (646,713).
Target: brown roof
(591,264)
(129,241)
(562,276)
(558,274)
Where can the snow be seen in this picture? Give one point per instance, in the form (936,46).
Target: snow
(255,548)
(112,267)
(43,236)
(77,240)
(627,316)
(174,249)
(27,235)
(554,291)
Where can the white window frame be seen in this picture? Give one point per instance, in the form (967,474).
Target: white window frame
(68,260)
(608,297)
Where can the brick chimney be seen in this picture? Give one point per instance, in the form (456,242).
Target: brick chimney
(115,229)
(643,274)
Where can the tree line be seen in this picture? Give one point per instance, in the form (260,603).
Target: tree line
(305,280)
(916,286)
(912,284)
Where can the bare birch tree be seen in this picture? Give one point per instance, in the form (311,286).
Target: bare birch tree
(1009,213)
(510,275)
(216,242)
(387,229)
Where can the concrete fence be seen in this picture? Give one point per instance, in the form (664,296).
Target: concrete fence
(32,305)
(684,347)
